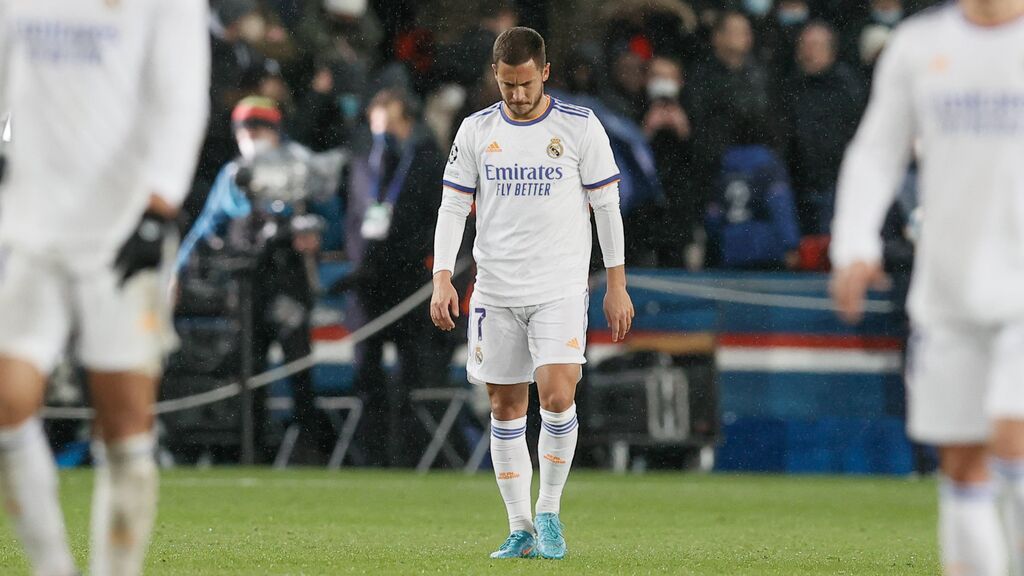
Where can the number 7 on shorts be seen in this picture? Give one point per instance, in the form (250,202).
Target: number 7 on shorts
(480,322)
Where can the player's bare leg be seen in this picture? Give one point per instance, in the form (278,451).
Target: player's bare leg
(125,495)
(556,385)
(28,474)
(513,468)
(1008,449)
(969,527)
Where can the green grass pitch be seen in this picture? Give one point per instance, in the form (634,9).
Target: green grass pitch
(258,521)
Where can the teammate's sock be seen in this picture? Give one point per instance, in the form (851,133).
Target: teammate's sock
(556,448)
(970,533)
(1011,475)
(124,505)
(513,470)
(28,482)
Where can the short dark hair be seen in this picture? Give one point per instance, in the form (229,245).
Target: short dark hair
(519,45)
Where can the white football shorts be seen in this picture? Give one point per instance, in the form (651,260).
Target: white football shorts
(961,378)
(43,301)
(507,345)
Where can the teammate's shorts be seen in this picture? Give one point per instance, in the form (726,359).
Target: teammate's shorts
(43,302)
(961,378)
(507,345)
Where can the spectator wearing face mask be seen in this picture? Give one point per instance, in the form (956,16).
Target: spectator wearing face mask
(667,127)
(822,105)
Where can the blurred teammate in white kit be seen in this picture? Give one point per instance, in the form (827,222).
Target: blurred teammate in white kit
(953,78)
(109,100)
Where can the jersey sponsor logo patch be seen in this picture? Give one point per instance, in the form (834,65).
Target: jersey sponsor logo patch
(508,475)
(555,149)
(454,154)
(573,343)
(493,147)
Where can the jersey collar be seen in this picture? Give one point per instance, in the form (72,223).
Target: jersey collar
(532,121)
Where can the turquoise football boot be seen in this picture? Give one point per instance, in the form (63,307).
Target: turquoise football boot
(520,544)
(550,542)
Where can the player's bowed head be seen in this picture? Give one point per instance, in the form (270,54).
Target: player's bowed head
(521,68)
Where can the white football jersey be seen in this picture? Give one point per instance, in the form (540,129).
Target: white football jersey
(958,89)
(109,102)
(531,179)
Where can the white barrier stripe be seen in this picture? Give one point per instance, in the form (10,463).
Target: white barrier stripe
(260,380)
(682,288)
(808,360)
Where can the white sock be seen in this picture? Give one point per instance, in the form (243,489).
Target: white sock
(124,505)
(513,470)
(970,533)
(1011,475)
(28,481)
(556,448)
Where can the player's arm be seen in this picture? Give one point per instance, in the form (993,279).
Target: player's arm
(451,224)
(618,308)
(175,93)
(601,178)
(176,99)
(873,168)
(460,178)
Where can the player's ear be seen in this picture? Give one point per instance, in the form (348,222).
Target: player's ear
(494,69)
(547,72)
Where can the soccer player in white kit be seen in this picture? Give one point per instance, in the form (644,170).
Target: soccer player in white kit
(953,78)
(109,102)
(535,167)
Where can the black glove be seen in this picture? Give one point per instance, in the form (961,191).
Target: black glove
(144,248)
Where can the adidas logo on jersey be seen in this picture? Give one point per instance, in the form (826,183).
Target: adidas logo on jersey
(493,147)
(574,344)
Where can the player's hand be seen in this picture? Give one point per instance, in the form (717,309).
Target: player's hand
(849,287)
(144,249)
(618,309)
(444,304)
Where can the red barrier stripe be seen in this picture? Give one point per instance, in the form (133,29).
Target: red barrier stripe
(810,341)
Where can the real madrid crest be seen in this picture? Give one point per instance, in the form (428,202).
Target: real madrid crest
(555,148)
(478,354)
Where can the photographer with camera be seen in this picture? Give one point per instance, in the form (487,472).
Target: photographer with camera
(257,208)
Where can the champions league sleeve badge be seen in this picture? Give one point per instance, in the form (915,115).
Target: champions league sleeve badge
(555,149)
(455,154)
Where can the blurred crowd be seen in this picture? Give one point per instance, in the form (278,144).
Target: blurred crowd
(729,119)
(331,120)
